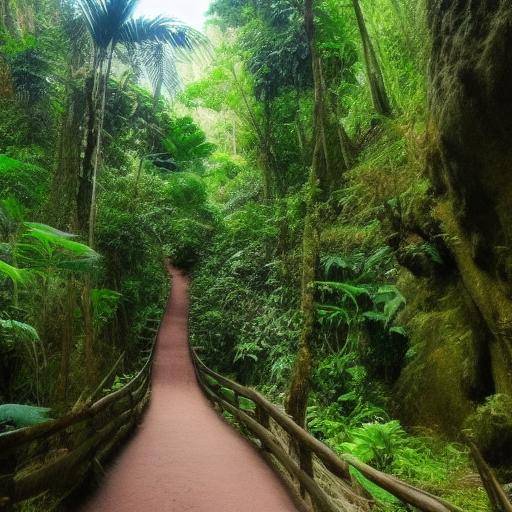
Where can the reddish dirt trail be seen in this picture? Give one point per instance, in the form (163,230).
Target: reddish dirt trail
(183,457)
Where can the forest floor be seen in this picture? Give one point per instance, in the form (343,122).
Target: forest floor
(184,457)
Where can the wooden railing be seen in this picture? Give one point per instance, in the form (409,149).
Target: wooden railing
(56,457)
(267,423)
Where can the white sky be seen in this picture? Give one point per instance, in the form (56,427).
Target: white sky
(189,11)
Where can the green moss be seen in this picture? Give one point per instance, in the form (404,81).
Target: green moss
(491,428)
(442,371)
(341,238)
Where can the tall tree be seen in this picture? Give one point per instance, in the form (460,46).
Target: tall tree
(110,24)
(373,70)
(297,400)
(62,200)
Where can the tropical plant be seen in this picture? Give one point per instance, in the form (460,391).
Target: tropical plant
(13,333)
(154,41)
(25,183)
(104,306)
(376,443)
(360,298)
(187,144)
(44,255)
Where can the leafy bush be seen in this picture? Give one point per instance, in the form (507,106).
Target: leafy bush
(187,144)
(376,443)
(27,183)
(358,298)
(491,427)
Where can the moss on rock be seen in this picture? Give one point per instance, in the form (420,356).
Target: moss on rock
(446,372)
(491,428)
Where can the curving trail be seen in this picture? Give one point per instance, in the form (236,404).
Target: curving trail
(184,457)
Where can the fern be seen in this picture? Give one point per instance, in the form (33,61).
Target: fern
(392,301)
(329,314)
(335,262)
(351,291)
(380,257)
(18,330)
(376,443)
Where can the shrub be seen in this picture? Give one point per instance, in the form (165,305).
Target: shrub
(25,182)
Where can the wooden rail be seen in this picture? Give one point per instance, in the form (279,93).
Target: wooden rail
(497,497)
(57,456)
(255,417)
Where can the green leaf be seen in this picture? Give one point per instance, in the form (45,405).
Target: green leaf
(17,329)
(351,291)
(16,275)
(375,316)
(49,229)
(23,415)
(333,314)
(398,330)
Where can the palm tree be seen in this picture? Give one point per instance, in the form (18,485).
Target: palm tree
(156,43)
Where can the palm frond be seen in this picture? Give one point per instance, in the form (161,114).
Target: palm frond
(184,40)
(159,65)
(53,232)
(43,246)
(106,18)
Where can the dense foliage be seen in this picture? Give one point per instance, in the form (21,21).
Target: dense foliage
(69,311)
(309,179)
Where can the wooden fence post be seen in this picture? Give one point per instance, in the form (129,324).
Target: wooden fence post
(263,418)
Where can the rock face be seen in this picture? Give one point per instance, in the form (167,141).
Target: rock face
(471,120)
(447,371)
(469,163)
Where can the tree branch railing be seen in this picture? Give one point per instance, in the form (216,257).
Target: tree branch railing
(57,456)
(254,416)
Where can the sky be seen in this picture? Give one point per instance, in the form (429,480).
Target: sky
(191,12)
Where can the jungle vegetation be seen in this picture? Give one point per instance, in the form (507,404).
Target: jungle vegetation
(334,175)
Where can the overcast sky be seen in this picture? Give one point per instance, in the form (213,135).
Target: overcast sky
(190,11)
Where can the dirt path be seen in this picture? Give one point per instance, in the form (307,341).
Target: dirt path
(184,458)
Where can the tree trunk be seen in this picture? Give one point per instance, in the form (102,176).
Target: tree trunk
(67,343)
(373,70)
(97,154)
(346,146)
(297,400)
(63,213)
(85,179)
(343,159)
(158,91)
(89,342)
(268,159)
